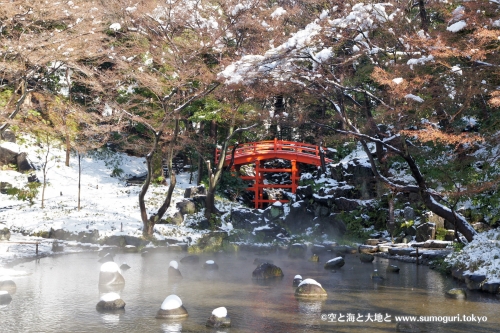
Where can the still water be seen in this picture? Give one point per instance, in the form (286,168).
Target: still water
(61,294)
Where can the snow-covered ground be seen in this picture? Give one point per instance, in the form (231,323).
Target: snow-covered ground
(107,203)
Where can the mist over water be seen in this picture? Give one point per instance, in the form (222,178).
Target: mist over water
(61,294)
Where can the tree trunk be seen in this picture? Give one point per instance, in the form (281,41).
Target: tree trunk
(68,150)
(147,229)
(149,223)
(214,176)
(45,171)
(424,21)
(79,178)
(19,103)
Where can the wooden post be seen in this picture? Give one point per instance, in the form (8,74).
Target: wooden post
(417,255)
(256,184)
(294,176)
(37,248)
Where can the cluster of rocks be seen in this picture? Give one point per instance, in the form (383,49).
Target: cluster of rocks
(474,281)
(424,252)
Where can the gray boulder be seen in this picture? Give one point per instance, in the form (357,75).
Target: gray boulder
(310,288)
(425,232)
(475,281)
(117,304)
(191,192)
(457,293)
(366,257)
(5,234)
(267,271)
(218,322)
(8,136)
(335,263)
(392,269)
(186,207)
(179,312)
(244,219)
(491,287)
(7,156)
(23,164)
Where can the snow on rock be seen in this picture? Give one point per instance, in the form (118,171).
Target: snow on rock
(278,12)
(298,277)
(480,256)
(3,292)
(414,97)
(174,264)
(109,297)
(456,69)
(220,312)
(209,262)
(171,302)
(456,27)
(115,26)
(419,61)
(398,80)
(310,281)
(110,267)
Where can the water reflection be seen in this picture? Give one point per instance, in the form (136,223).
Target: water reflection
(110,318)
(117,288)
(171,327)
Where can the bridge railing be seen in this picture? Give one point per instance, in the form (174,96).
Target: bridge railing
(270,145)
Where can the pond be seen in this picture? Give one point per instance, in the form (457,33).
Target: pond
(61,294)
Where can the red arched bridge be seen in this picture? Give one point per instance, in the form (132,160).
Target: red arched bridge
(257,152)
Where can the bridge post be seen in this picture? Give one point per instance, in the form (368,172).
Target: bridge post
(294,176)
(257,185)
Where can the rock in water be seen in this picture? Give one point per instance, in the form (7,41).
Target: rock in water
(297,280)
(110,302)
(267,271)
(173,270)
(219,318)
(172,308)
(5,297)
(458,293)
(210,265)
(335,263)
(124,266)
(110,274)
(366,257)
(392,268)
(310,288)
(314,258)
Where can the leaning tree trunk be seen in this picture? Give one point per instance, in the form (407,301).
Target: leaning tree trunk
(214,176)
(149,223)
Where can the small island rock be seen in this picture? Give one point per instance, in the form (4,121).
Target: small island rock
(267,271)
(310,288)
